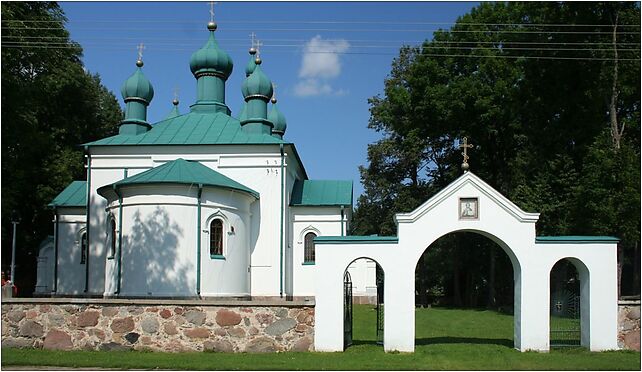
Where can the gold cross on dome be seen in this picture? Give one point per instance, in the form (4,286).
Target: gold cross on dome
(176,93)
(140,48)
(258,46)
(253,39)
(212,11)
(465,146)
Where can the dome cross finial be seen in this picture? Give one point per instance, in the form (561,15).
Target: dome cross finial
(139,61)
(273,100)
(212,11)
(257,47)
(175,101)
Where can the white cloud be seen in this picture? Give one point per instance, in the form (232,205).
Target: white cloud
(320,63)
(321,58)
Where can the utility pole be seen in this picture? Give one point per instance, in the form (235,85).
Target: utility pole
(15,220)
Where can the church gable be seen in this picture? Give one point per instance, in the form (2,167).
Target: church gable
(468,208)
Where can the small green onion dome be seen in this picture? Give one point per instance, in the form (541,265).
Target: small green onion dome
(137,86)
(211,58)
(257,84)
(251,64)
(278,119)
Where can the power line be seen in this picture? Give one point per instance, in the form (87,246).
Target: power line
(223,22)
(37,43)
(348,30)
(348,40)
(386,54)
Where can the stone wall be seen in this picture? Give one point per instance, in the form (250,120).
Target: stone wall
(172,326)
(629,325)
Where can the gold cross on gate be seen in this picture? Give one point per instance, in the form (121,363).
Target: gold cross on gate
(465,146)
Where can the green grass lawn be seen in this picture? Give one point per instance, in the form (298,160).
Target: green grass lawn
(446,339)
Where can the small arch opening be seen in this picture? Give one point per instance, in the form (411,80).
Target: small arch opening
(363,302)
(568,306)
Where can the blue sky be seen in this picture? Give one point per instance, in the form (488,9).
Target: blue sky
(324,96)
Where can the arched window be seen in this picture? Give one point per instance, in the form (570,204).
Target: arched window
(112,251)
(216,237)
(83,248)
(308,249)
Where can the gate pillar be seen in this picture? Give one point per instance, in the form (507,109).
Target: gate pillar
(532,309)
(399,316)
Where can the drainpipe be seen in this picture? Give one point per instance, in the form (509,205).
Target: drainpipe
(87,224)
(198,241)
(56,233)
(281,238)
(342,220)
(120,238)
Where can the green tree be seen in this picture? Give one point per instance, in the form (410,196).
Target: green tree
(50,105)
(509,79)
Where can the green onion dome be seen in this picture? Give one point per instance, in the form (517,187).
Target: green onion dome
(137,86)
(211,59)
(278,119)
(257,84)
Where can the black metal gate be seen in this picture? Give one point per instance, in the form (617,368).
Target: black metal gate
(347,310)
(379,308)
(565,319)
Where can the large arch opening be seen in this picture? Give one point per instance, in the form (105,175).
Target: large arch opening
(363,307)
(569,304)
(465,292)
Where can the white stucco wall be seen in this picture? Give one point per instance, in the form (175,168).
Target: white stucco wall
(322,221)
(71,273)
(257,167)
(159,242)
(504,223)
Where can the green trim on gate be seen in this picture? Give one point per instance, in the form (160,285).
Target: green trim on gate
(217,257)
(353,239)
(309,263)
(575,239)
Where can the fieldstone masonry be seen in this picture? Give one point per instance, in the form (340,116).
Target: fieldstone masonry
(629,325)
(96,325)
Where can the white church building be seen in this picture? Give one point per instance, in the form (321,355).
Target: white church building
(205,204)
(201,204)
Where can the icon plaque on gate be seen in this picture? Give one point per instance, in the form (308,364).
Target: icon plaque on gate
(468,209)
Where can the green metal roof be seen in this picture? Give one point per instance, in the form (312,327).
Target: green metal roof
(574,239)
(355,239)
(194,128)
(74,195)
(181,171)
(321,193)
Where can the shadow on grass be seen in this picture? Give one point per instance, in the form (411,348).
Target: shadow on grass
(364,342)
(464,340)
